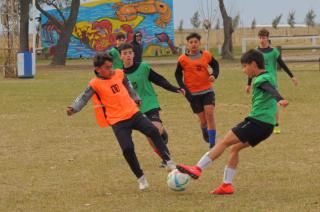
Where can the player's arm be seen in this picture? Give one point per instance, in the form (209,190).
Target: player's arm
(134,95)
(162,82)
(287,70)
(214,64)
(179,78)
(80,101)
(266,86)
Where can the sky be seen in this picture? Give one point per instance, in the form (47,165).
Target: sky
(264,11)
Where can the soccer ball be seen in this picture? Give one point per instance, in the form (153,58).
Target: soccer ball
(177,181)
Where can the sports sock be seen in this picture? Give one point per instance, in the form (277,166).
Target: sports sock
(204,161)
(212,137)
(228,175)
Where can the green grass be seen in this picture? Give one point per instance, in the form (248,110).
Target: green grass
(51,162)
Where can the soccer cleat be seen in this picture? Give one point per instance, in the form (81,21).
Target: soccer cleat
(193,171)
(143,183)
(223,189)
(170,166)
(276,130)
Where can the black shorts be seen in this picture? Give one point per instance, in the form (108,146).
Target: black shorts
(199,101)
(153,115)
(252,131)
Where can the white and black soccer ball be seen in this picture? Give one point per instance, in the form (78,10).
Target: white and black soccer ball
(177,180)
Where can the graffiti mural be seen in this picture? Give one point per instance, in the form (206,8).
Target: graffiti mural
(99,21)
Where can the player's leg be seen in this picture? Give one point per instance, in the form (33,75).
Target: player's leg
(251,132)
(230,170)
(277,129)
(208,101)
(195,171)
(123,133)
(142,124)
(197,108)
(154,117)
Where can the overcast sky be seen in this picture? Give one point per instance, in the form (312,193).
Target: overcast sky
(262,10)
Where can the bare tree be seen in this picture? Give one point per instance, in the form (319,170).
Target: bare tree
(236,21)
(217,26)
(180,30)
(208,13)
(291,19)
(195,20)
(253,23)
(63,24)
(227,47)
(276,21)
(310,18)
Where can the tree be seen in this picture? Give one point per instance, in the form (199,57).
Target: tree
(195,20)
(236,21)
(208,14)
(217,26)
(276,21)
(253,23)
(180,30)
(227,47)
(24,6)
(310,18)
(64,24)
(291,19)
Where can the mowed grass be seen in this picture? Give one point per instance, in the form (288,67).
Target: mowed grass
(51,162)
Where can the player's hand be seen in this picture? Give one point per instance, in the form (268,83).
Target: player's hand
(212,78)
(295,81)
(248,89)
(70,111)
(182,91)
(283,103)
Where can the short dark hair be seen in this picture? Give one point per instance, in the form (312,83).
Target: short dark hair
(120,36)
(263,32)
(253,55)
(125,46)
(100,58)
(193,35)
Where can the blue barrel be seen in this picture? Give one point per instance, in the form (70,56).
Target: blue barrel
(25,64)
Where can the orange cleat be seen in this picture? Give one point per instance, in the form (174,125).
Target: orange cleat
(223,189)
(193,171)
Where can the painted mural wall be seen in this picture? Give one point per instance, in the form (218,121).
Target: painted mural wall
(100,20)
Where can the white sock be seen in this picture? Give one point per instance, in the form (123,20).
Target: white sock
(228,175)
(204,161)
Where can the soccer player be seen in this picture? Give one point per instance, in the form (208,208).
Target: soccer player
(193,75)
(114,52)
(272,57)
(115,104)
(257,127)
(141,75)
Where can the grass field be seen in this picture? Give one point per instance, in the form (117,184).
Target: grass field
(51,162)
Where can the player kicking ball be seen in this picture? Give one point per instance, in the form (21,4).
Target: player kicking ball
(115,103)
(255,128)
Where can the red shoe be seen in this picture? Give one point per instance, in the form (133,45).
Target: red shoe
(223,189)
(193,171)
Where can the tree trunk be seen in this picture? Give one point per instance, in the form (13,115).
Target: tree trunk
(66,29)
(24,25)
(227,47)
